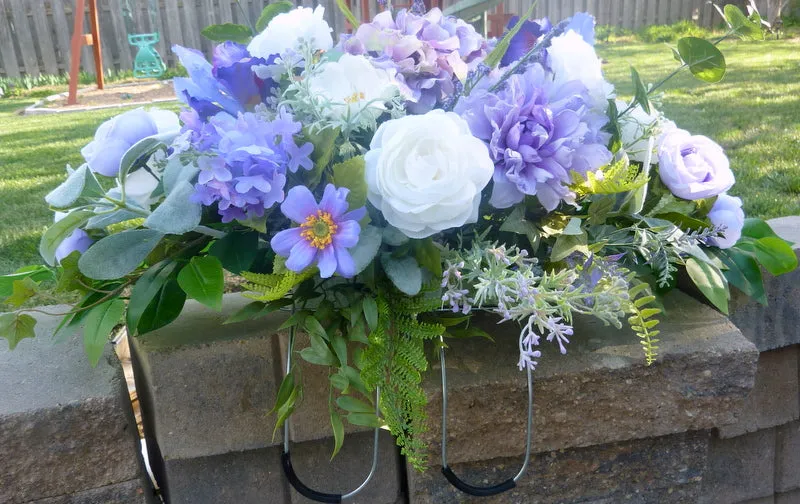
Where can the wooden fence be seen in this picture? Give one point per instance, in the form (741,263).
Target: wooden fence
(35,34)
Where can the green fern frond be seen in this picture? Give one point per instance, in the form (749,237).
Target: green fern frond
(642,320)
(619,177)
(269,287)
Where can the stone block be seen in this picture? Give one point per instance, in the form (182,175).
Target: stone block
(65,427)
(777,324)
(312,464)
(600,392)
(740,468)
(205,387)
(774,398)
(667,469)
(792,497)
(770,499)
(787,457)
(127,492)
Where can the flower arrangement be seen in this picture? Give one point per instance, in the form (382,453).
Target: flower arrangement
(389,186)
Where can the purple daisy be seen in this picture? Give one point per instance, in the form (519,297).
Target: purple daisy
(325,232)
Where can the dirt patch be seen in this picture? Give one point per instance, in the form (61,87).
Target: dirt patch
(118,94)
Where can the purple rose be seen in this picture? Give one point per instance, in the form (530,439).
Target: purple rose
(115,136)
(693,166)
(727,214)
(78,240)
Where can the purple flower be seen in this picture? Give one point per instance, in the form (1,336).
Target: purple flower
(539,135)
(325,232)
(244,171)
(78,240)
(583,24)
(228,85)
(727,214)
(115,136)
(693,166)
(525,39)
(429,52)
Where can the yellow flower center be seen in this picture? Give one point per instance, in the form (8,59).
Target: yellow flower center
(355,97)
(319,229)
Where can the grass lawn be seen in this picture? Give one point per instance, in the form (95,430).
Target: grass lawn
(754,113)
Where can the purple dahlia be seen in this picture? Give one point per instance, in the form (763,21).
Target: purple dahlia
(538,134)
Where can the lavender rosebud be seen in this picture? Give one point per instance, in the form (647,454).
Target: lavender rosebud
(693,166)
(727,214)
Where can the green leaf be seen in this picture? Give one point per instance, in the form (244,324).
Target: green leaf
(141,151)
(573,227)
(599,210)
(163,309)
(566,245)
(493,59)
(369,242)
(518,224)
(705,61)
(757,228)
(350,174)
(318,356)
(99,322)
(640,91)
(744,27)
(353,405)
(145,290)
(177,214)
(227,31)
(15,327)
(323,142)
(348,14)
(775,255)
(338,432)
(404,273)
(743,272)
(203,279)
(370,307)
(176,172)
(428,256)
(339,345)
(79,183)
(270,11)
(257,309)
(22,290)
(364,419)
(118,254)
(340,381)
(109,219)
(286,409)
(314,328)
(710,281)
(59,232)
(236,251)
(393,236)
(36,273)
(284,391)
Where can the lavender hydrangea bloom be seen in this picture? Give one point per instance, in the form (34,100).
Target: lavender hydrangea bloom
(245,172)
(429,52)
(325,232)
(539,135)
(228,85)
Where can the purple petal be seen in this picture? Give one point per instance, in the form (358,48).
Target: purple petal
(299,204)
(347,235)
(334,201)
(301,256)
(346,266)
(283,242)
(355,215)
(327,262)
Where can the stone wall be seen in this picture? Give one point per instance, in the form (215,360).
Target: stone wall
(714,421)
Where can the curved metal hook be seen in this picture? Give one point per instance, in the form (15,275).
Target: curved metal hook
(450,475)
(286,458)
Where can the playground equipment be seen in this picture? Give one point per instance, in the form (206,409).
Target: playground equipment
(79,39)
(148,62)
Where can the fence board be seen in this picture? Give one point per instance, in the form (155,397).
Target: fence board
(121,31)
(8,54)
(24,36)
(225,11)
(44,37)
(191,25)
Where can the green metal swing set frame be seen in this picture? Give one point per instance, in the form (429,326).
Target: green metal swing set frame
(148,63)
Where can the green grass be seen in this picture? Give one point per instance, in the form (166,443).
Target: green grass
(754,112)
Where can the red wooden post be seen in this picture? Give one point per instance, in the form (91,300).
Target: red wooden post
(78,40)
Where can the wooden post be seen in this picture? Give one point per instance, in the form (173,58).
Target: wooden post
(78,40)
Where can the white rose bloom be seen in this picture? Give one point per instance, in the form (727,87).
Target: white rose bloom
(635,129)
(425,173)
(353,84)
(572,58)
(139,185)
(285,32)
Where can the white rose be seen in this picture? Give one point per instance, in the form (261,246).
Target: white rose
(285,33)
(425,173)
(353,84)
(140,184)
(572,58)
(635,129)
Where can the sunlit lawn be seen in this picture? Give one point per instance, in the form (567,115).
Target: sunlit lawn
(754,112)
